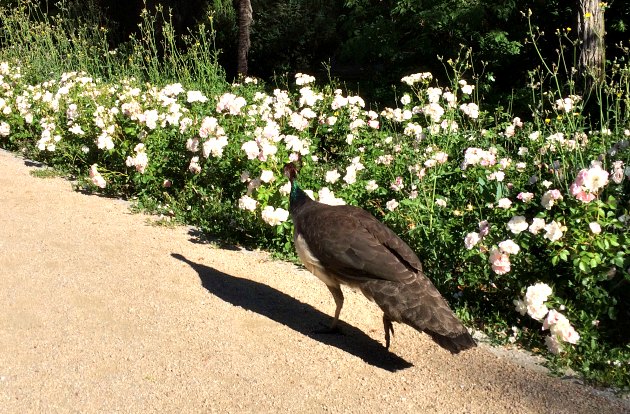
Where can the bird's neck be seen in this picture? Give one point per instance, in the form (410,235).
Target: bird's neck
(297,197)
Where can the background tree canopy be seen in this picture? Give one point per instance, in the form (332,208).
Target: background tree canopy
(371,44)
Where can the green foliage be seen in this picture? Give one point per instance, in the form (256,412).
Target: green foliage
(290,36)
(54,44)
(46,173)
(402,35)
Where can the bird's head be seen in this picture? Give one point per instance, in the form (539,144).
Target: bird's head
(290,171)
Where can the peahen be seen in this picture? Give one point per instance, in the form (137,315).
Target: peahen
(347,245)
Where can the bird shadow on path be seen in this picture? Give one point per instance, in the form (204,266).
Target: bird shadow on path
(297,315)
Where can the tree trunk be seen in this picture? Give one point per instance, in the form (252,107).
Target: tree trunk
(591,33)
(245,17)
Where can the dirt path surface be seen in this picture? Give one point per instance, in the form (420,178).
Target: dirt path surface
(104,313)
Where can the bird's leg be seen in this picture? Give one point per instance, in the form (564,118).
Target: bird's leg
(338,296)
(389,327)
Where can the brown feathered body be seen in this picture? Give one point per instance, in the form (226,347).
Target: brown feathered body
(347,245)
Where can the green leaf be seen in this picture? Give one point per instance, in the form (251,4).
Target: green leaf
(499,193)
(612,314)
(564,254)
(582,267)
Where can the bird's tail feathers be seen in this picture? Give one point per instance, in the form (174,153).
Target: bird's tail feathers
(420,305)
(454,344)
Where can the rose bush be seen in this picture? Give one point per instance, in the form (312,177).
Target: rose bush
(517,220)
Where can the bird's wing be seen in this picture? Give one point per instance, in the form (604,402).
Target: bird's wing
(354,245)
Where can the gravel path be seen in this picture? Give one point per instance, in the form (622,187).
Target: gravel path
(104,313)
